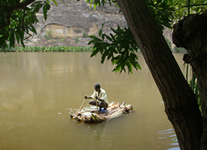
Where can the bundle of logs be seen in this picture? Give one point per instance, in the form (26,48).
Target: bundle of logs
(92,116)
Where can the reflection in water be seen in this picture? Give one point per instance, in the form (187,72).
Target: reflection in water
(39,90)
(98,130)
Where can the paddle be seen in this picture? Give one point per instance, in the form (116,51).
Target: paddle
(82,104)
(97,104)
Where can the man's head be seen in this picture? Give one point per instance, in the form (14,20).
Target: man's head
(97,87)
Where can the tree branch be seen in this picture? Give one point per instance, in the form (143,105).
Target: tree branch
(7,21)
(195,5)
(17,6)
(22,5)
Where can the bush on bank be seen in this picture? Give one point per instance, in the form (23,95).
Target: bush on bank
(48,49)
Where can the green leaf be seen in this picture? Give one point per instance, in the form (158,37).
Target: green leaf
(17,36)
(31,27)
(46,7)
(138,66)
(103,58)
(63,2)
(115,31)
(21,35)
(95,51)
(54,1)
(129,65)
(94,37)
(37,7)
(100,32)
(108,37)
(94,6)
(117,68)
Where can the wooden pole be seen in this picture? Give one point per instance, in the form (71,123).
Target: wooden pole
(97,105)
(82,104)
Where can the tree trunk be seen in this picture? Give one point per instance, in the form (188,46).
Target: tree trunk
(180,103)
(191,33)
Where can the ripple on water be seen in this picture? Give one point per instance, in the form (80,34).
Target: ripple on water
(170,134)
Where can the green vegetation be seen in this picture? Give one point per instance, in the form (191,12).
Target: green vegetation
(76,40)
(169,43)
(165,13)
(48,35)
(62,40)
(121,50)
(178,49)
(17,20)
(48,49)
(85,35)
(193,82)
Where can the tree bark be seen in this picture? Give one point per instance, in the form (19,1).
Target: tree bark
(180,103)
(191,33)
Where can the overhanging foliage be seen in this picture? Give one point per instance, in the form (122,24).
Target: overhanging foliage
(119,46)
(17,20)
(165,12)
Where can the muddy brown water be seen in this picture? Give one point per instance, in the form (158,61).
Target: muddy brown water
(39,90)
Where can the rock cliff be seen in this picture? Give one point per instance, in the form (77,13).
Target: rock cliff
(70,23)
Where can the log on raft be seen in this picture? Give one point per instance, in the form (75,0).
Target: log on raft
(113,111)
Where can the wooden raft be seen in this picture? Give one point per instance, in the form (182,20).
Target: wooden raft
(113,111)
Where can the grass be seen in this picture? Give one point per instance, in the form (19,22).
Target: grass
(48,49)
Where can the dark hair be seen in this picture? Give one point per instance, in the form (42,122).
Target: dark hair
(97,86)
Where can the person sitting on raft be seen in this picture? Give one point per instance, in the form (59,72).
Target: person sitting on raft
(99,94)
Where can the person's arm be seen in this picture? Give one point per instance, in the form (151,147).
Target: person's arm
(92,96)
(100,99)
(88,97)
(103,97)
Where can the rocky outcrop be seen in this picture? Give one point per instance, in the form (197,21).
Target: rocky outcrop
(70,23)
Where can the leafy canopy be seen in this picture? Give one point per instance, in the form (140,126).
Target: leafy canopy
(17,20)
(114,47)
(118,46)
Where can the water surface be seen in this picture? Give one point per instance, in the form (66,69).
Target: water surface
(38,91)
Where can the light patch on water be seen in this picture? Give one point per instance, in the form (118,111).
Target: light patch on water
(169,133)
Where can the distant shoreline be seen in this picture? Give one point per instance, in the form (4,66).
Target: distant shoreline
(63,49)
(48,49)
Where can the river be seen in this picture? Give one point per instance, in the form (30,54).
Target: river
(39,90)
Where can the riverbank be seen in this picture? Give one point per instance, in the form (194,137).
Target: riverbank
(63,49)
(48,49)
